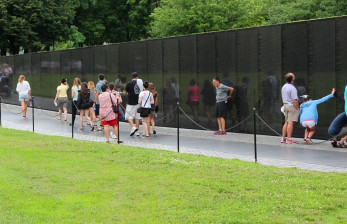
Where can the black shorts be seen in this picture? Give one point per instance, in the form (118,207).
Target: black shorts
(221,109)
(97,107)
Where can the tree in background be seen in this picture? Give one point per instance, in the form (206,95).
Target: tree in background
(33,24)
(283,11)
(113,21)
(36,25)
(181,17)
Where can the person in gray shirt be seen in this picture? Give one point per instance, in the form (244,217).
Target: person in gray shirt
(291,108)
(221,105)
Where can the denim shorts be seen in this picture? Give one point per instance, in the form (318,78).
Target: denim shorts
(23,96)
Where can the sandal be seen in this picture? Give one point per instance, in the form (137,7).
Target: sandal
(341,145)
(334,143)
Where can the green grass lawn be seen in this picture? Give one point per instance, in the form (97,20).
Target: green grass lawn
(46,179)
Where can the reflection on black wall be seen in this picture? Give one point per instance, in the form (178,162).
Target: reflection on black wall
(253,61)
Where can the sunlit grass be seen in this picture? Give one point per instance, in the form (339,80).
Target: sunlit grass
(45,179)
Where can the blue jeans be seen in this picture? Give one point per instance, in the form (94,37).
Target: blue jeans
(337,124)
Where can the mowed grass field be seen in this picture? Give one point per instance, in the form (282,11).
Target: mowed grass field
(45,179)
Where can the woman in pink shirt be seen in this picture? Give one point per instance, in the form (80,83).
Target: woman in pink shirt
(107,116)
(193,98)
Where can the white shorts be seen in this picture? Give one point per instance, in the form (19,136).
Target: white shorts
(131,112)
(308,123)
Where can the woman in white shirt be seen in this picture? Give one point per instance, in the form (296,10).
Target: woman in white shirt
(145,100)
(24,93)
(74,94)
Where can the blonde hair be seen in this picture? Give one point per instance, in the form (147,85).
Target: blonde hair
(91,85)
(151,88)
(77,82)
(21,78)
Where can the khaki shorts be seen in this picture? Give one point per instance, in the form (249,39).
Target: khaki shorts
(291,113)
(62,103)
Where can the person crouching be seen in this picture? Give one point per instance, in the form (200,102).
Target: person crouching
(309,114)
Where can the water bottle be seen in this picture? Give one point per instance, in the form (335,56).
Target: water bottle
(94,108)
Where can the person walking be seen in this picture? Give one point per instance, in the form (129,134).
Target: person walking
(151,88)
(61,98)
(221,104)
(133,90)
(108,117)
(74,94)
(145,100)
(24,93)
(91,87)
(96,104)
(83,104)
(111,87)
(309,114)
(291,108)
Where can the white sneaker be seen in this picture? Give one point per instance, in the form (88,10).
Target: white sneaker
(137,134)
(133,130)
(113,135)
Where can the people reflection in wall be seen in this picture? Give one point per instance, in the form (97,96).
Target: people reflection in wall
(5,80)
(270,95)
(228,82)
(175,89)
(241,101)
(193,98)
(301,88)
(84,77)
(209,98)
(169,101)
(118,83)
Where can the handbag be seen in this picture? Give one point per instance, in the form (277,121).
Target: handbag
(153,107)
(144,112)
(120,113)
(114,107)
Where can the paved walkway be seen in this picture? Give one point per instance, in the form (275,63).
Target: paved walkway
(320,157)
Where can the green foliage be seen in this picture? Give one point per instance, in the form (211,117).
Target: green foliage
(37,24)
(33,24)
(179,17)
(46,179)
(113,21)
(280,11)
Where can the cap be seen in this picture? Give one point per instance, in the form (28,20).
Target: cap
(134,74)
(305,96)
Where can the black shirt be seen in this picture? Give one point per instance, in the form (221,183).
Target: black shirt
(133,92)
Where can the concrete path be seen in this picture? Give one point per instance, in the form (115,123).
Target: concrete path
(320,157)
